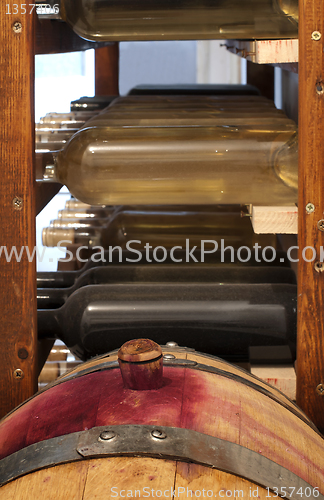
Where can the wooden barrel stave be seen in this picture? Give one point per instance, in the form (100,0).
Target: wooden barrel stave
(102,479)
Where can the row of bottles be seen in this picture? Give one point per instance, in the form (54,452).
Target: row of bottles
(159,228)
(213,305)
(161,170)
(110,20)
(55,129)
(182,150)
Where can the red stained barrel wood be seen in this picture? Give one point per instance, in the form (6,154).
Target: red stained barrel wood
(212,398)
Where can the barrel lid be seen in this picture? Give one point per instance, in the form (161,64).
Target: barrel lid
(139,350)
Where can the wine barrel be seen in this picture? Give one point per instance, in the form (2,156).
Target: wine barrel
(207,429)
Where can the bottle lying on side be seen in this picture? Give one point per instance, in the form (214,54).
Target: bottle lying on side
(195,89)
(76,204)
(264,258)
(101,20)
(186,159)
(166,229)
(84,211)
(51,298)
(224,318)
(92,213)
(67,118)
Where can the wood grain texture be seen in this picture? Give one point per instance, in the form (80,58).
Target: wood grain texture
(310,338)
(17,279)
(282,377)
(230,369)
(107,70)
(196,478)
(275,220)
(119,478)
(130,477)
(55,483)
(265,51)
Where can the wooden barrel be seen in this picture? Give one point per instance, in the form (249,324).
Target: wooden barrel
(210,431)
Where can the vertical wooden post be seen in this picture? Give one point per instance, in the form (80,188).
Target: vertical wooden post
(18,333)
(262,76)
(310,348)
(107,70)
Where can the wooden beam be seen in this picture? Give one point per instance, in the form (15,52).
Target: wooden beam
(54,37)
(265,51)
(107,70)
(18,332)
(262,76)
(45,191)
(275,220)
(310,342)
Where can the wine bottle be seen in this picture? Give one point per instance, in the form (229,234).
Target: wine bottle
(86,213)
(49,146)
(268,118)
(189,102)
(110,20)
(183,159)
(51,298)
(72,223)
(72,126)
(96,103)
(64,279)
(78,223)
(73,204)
(89,215)
(215,318)
(77,209)
(67,118)
(195,89)
(47,134)
(166,229)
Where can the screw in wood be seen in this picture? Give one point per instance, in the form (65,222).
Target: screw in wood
(320,88)
(310,208)
(316,35)
(320,225)
(17,203)
(320,389)
(319,267)
(19,374)
(17,27)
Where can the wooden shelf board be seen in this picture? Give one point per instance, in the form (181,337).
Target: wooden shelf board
(282,53)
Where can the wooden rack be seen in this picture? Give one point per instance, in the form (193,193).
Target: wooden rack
(19,197)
